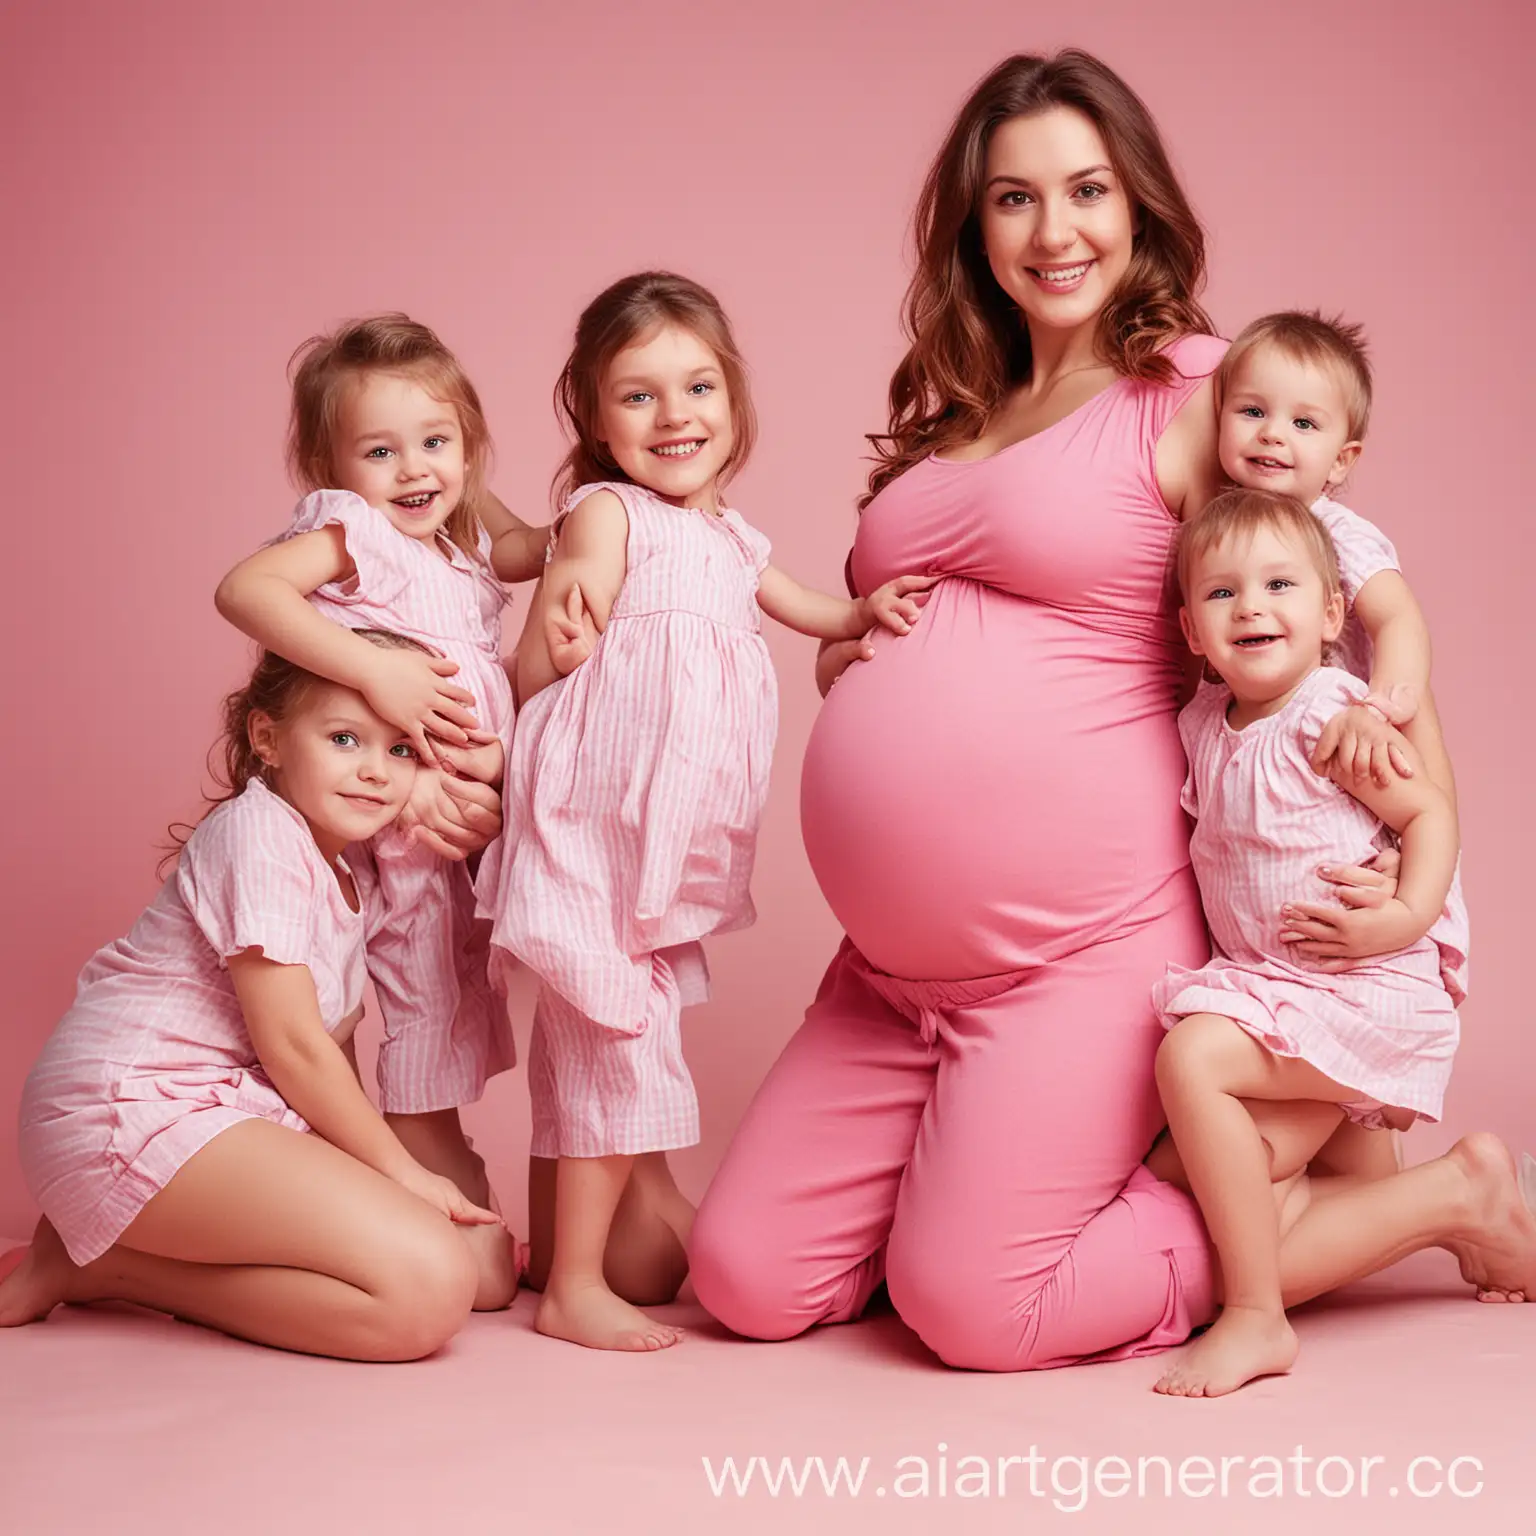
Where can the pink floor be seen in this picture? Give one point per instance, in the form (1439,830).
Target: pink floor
(124,1421)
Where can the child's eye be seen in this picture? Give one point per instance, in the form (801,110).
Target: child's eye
(403,749)
(1218,593)
(1279,583)
(343,739)
(702,387)
(636,398)
(376,453)
(435,442)
(1249,410)
(1305,423)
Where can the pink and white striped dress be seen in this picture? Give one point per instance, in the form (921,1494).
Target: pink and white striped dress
(636,783)
(1264,823)
(153,1060)
(1365,551)
(445,1033)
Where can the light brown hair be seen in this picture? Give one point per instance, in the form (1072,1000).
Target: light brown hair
(969,345)
(277,688)
(324,367)
(621,315)
(1239,514)
(1306,336)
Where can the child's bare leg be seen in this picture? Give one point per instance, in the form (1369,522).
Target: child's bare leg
(437,1141)
(1354,1151)
(1293,1132)
(577,1303)
(277,1237)
(1205,1066)
(1467,1202)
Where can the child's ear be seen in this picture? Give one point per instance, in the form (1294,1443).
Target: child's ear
(1342,465)
(1334,611)
(1191,636)
(261,732)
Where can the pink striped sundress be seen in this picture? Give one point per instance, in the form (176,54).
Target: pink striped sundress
(445,1033)
(1264,822)
(153,1059)
(636,783)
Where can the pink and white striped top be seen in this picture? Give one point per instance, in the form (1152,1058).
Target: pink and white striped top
(636,783)
(432,592)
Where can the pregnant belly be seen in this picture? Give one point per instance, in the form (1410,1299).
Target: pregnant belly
(995,790)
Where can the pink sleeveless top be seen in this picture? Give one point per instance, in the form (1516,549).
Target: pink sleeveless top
(1001,787)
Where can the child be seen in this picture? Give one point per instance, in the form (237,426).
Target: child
(162,1127)
(1261,600)
(398,531)
(637,776)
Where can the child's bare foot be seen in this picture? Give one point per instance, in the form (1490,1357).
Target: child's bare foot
(587,1312)
(34,1280)
(1497,1253)
(1240,1345)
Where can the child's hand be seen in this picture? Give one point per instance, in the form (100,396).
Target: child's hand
(446,1196)
(1335,938)
(1364,745)
(837,657)
(407,689)
(483,759)
(566,633)
(1400,703)
(889,605)
(435,815)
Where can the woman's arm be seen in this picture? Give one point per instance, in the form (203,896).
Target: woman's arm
(820,614)
(1188,471)
(265,597)
(311,1072)
(517,548)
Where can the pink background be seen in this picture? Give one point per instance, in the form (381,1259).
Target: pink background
(194,189)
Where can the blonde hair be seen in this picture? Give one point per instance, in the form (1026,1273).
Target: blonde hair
(1305,336)
(617,318)
(1241,513)
(324,367)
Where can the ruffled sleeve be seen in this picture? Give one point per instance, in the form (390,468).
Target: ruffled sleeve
(1197,721)
(373,545)
(249,882)
(1327,691)
(1363,549)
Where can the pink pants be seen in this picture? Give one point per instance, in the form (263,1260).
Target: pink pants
(978,1145)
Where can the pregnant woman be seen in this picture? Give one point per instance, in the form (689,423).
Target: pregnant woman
(991,804)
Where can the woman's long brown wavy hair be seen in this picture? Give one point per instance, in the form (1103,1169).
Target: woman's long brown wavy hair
(968,343)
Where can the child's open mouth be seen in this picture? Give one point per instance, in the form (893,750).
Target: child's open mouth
(678,450)
(417,503)
(1250,642)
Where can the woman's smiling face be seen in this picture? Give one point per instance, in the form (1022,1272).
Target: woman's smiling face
(1056,222)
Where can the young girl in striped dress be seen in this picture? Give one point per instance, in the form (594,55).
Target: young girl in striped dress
(1261,599)
(399,532)
(648,712)
(165,1127)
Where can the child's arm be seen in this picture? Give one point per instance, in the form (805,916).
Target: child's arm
(581,583)
(265,597)
(312,1074)
(820,614)
(1422,816)
(517,548)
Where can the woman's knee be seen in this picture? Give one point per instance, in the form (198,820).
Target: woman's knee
(739,1277)
(429,1285)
